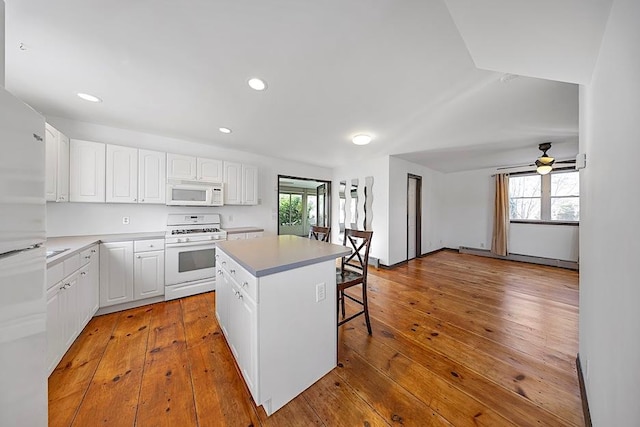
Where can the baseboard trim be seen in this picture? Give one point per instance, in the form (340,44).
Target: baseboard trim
(397,264)
(570,265)
(583,394)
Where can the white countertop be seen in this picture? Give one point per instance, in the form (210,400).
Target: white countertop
(274,254)
(75,244)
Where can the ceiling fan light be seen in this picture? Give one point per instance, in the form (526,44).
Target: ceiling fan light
(546,160)
(543,169)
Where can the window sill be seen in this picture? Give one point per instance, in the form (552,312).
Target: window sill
(523,221)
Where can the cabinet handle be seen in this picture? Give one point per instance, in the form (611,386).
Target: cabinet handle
(135,199)
(150,246)
(138,256)
(219,272)
(93,251)
(87,257)
(245,284)
(224,262)
(83,273)
(232,271)
(62,288)
(217,256)
(240,296)
(142,200)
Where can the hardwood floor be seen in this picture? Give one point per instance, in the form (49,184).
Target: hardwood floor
(457,340)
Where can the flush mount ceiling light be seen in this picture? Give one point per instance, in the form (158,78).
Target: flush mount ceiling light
(224,130)
(545,162)
(89,97)
(257,84)
(361,139)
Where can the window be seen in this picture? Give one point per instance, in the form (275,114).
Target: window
(552,197)
(290,209)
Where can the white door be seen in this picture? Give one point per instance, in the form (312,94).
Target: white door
(87,171)
(152,177)
(210,170)
(245,330)
(411,218)
(122,174)
(148,280)
(232,183)
(249,185)
(116,273)
(69,308)
(181,167)
(93,297)
(223,295)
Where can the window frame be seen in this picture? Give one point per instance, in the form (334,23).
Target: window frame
(545,199)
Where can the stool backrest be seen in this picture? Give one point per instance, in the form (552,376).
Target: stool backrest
(320,233)
(360,243)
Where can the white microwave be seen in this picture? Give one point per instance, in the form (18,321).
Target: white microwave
(194,193)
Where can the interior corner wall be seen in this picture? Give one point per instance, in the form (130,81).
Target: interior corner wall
(468,221)
(2,43)
(610,224)
(378,168)
(67,219)
(431,200)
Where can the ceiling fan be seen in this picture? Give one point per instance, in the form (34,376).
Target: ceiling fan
(544,163)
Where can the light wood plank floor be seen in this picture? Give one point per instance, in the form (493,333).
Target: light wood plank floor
(457,340)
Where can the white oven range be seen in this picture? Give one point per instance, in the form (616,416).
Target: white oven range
(190,249)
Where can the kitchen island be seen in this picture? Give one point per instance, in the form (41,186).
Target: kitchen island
(276,305)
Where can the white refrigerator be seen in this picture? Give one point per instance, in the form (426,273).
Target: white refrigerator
(23,342)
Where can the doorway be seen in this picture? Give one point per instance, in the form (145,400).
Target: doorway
(414,216)
(302,202)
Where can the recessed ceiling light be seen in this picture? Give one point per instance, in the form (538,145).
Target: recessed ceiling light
(257,84)
(88,97)
(224,130)
(361,139)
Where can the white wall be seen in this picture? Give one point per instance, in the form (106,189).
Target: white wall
(432,206)
(468,221)
(2,43)
(610,224)
(65,219)
(378,168)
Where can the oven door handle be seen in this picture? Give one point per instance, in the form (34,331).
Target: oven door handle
(206,244)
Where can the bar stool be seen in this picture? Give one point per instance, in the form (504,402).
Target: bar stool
(320,233)
(353,271)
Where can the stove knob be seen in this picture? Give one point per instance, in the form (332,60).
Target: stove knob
(179,240)
(211,237)
(186,239)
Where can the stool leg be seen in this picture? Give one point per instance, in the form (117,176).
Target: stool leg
(366,306)
(342,301)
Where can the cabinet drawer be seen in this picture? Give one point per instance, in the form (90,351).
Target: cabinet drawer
(237,236)
(148,245)
(255,234)
(54,275)
(71,264)
(88,254)
(242,277)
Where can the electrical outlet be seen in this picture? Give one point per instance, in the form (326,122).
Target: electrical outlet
(125,220)
(321,292)
(586,369)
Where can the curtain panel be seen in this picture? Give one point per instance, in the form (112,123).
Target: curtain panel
(500,237)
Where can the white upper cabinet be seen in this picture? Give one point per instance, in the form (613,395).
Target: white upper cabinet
(57,165)
(181,167)
(249,185)
(152,169)
(241,184)
(210,170)
(190,168)
(122,174)
(87,171)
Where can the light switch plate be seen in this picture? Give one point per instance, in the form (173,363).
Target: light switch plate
(321,292)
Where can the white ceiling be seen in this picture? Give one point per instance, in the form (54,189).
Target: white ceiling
(398,70)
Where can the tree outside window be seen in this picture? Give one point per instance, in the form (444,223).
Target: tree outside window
(290,209)
(552,197)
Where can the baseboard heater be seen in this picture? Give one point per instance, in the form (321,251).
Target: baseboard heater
(571,265)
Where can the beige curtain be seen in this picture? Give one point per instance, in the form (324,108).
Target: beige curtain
(501,216)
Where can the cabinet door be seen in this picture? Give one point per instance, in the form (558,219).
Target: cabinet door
(232,183)
(116,273)
(148,278)
(69,309)
(51,162)
(122,174)
(237,236)
(63,168)
(210,170)
(84,296)
(87,171)
(152,177)
(223,294)
(244,335)
(181,167)
(54,327)
(249,185)
(93,297)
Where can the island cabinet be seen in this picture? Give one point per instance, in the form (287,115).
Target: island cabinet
(276,305)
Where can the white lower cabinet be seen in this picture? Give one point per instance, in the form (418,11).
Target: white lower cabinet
(131,271)
(72,300)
